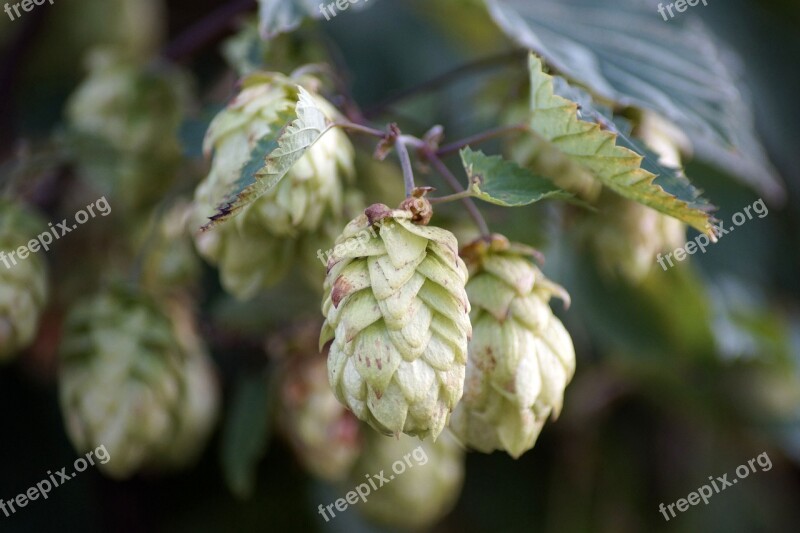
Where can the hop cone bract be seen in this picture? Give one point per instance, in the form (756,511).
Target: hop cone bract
(398,315)
(520,359)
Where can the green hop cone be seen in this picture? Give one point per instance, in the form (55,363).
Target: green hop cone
(137,381)
(124,120)
(520,359)
(23,286)
(426,483)
(398,315)
(324,435)
(170,261)
(257,248)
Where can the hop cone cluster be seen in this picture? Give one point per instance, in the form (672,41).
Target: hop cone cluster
(324,435)
(136,380)
(258,247)
(23,286)
(124,120)
(397,312)
(520,359)
(426,485)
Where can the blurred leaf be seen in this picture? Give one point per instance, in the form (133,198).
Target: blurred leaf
(273,157)
(626,53)
(502,182)
(280,16)
(246,433)
(594,145)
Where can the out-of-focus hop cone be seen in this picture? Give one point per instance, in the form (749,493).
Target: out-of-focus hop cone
(123,122)
(325,437)
(397,312)
(520,359)
(136,378)
(424,479)
(23,286)
(258,247)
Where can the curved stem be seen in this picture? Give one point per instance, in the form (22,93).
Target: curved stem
(479,138)
(405,162)
(352,126)
(451,197)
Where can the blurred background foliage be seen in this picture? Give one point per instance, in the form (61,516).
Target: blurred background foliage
(685,376)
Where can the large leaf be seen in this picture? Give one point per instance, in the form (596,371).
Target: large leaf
(624,51)
(502,182)
(597,147)
(274,156)
(246,433)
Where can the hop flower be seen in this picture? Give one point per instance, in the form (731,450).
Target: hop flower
(324,435)
(398,315)
(23,282)
(520,358)
(426,482)
(125,120)
(136,381)
(170,261)
(257,248)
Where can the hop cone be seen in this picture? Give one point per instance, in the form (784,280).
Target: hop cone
(426,483)
(324,435)
(23,286)
(398,315)
(124,120)
(136,381)
(170,261)
(520,358)
(257,248)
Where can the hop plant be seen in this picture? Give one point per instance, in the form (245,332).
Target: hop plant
(137,381)
(124,120)
(23,282)
(170,260)
(424,487)
(258,247)
(323,434)
(398,315)
(520,359)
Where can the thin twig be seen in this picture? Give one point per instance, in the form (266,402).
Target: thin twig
(451,197)
(453,182)
(433,84)
(352,126)
(206,30)
(479,138)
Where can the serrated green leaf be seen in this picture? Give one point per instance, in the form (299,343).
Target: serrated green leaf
(625,52)
(502,182)
(246,434)
(273,157)
(556,120)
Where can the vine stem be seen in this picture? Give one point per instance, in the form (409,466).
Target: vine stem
(479,138)
(432,84)
(451,197)
(360,128)
(206,30)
